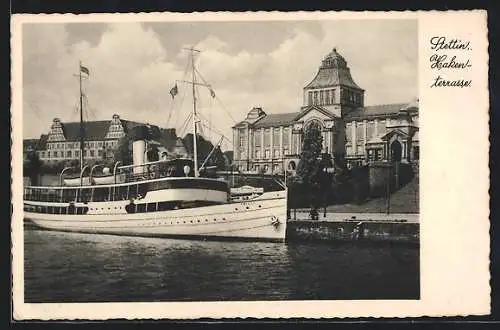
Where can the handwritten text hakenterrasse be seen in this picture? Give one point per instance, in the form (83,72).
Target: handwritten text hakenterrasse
(440,61)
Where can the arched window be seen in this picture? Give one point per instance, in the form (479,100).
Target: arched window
(313,124)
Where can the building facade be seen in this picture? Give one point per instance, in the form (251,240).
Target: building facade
(62,143)
(333,103)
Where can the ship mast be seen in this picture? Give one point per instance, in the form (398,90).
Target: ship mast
(82,130)
(193,84)
(195,115)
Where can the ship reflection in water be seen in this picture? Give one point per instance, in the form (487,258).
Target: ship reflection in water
(71,267)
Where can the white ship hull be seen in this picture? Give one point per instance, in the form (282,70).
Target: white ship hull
(263,218)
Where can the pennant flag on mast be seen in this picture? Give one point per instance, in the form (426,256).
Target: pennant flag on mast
(84,70)
(174,91)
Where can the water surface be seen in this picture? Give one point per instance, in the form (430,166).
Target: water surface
(71,267)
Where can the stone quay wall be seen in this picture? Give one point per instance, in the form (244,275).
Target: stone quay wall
(394,231)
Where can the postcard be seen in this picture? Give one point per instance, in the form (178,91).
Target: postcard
(250,165)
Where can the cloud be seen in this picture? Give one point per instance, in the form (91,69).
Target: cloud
(129,74)
(132,72)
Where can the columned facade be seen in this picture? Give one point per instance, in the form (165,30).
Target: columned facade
(271,143)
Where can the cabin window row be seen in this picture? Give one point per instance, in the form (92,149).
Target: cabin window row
(87,194)
(163,206)
(56,209)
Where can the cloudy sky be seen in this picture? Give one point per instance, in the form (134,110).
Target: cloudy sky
(133,66)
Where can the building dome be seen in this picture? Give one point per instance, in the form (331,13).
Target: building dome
(334,60)
(333,72)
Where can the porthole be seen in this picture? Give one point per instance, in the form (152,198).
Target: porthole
(248,207)
(236,209)
(206,220)
(260,206)
(191,221)
(198,220)
(224,219)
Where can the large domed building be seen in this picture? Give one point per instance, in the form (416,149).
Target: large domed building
(334,103)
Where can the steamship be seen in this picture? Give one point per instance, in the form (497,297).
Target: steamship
(167,198)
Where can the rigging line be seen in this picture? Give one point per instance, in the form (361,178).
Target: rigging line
(202,133)
(225,138)
(214,129)
(88,108)
(221,134)
(216,97)
(184,125)
(200,107)
(180,107)
(183,95)
(172,102)
(182,128)
(210,120)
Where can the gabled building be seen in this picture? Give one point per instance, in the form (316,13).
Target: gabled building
(63,139)
(62,143)
(334,103)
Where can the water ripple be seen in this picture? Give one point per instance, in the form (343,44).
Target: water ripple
(70,267)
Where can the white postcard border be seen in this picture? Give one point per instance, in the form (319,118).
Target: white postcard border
(454,198)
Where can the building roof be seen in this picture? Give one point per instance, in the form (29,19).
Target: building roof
(305,109)
(327,77)
(276,119)
(376,110)
(333,71)
(94,130)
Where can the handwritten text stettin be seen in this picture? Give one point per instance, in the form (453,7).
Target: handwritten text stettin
(441,43)
(442,61)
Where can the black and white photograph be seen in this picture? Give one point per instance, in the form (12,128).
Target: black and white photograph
(221,160)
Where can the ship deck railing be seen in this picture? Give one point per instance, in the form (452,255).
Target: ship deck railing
(135,173)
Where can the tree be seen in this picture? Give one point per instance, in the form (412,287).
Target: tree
(341,190)
(309,169)
(204,147)
(32,166)
(123,152)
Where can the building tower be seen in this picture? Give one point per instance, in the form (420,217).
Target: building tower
(333,87)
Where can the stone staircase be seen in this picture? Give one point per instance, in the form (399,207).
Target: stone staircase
(404,200)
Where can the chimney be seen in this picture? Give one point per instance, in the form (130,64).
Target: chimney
(140,134)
